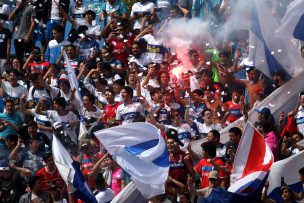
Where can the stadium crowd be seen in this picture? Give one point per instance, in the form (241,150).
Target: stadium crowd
(126,74)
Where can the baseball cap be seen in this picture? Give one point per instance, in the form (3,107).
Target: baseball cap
(213,175)
(263,110)
(64,77)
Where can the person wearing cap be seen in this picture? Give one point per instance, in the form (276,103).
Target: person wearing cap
(64,91)
(287,195)
(264,113)
(12,184)
(180,162)
(265,128)
(214,183)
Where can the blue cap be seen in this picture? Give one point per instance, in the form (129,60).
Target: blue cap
(264,110)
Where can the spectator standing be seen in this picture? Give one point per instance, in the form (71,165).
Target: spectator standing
(23,30)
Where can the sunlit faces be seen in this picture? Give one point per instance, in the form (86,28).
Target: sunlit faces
(109,96)
(124,95)
(86,101)
(164,79)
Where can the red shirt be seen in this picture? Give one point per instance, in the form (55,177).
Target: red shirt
(235,111)
(178,169)
(39,67)
(119,52)
(110,112)
(48,179)
(203,168)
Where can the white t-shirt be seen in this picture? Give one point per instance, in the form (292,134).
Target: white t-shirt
(14,92)
(184,132)
(203,129)
(105,196)
(155,48)
(55,13)
(34,96)
(138,7)
(127,113)
(53,116)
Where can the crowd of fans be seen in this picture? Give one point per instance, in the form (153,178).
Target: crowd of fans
(125,75)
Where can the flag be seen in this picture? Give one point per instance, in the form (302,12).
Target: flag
(75,84)
(129,194)
(270,52)
(70,172)
(292,24)
(252,162)
(141,151)
(287,170)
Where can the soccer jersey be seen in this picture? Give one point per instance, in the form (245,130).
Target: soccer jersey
(127,113)
(203,168)
(235,111)
(48,179)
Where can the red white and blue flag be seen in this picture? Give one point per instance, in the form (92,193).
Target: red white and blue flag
(252,163)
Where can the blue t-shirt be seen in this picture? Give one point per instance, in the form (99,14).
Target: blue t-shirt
(12,118)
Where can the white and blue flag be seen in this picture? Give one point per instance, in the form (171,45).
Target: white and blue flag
(292,24)
(285,170)
(70,172)
(268,51)
(142,152)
